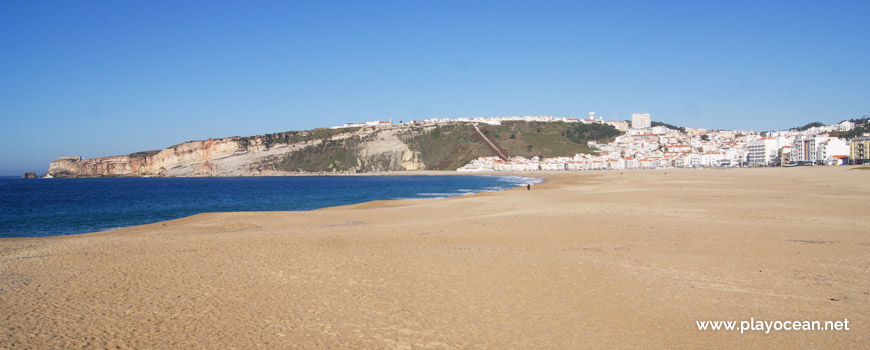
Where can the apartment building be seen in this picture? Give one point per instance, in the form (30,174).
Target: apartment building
(859,150)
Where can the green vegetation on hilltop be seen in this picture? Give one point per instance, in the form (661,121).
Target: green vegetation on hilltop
(541,139)
(143,154)
(808,125)
(269,140)
(865,120)
(857,131)
(285,137)
(451,146)
(447,146)
(862,126)
(582,133)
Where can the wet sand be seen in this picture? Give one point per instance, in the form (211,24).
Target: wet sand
(586,260)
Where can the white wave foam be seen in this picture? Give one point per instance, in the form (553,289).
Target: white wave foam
(439,195)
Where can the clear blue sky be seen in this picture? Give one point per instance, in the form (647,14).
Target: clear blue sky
(106,78)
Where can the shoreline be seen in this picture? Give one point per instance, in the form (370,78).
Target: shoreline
(445,172)
(408,173)
(593,259)
(538,174)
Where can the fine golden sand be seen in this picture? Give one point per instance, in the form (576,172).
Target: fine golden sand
(587,260)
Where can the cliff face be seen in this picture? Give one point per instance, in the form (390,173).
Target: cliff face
(331,151)
(359,150)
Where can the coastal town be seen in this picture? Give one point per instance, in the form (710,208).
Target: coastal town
(648,145)
(645,144)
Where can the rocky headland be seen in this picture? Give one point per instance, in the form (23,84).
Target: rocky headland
(395,147)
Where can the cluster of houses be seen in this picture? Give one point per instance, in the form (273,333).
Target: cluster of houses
(364,124)
(620,125)
(643,146)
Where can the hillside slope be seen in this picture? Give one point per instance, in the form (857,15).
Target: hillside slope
(429,146)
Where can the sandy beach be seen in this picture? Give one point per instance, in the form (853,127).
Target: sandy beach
(586,260)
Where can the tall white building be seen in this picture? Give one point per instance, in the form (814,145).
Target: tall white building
(640,120)
(819,149)
(765,151)
(804,150)
(758,152)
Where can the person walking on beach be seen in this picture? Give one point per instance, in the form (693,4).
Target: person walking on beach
(528,187)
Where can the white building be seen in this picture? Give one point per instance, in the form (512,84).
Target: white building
(831,151)
(364,124)
(846,126)
(714,159)
(765,151)
(804,150)
(736,155)
(819,149)
(618,124)
(640,120)
(660,130)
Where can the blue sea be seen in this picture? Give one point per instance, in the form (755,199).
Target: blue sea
(50,207)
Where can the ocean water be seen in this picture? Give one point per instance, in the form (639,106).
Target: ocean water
(50,207)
